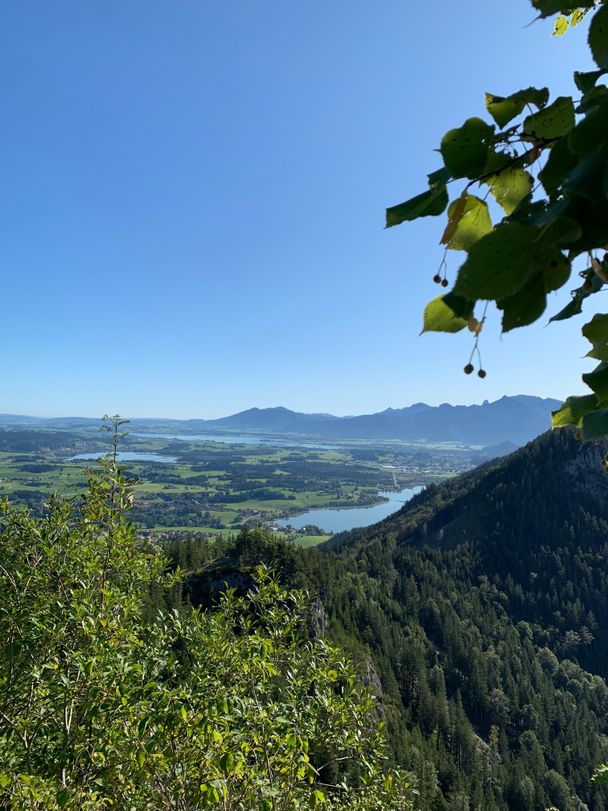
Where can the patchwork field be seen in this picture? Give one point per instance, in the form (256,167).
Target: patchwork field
(214,487)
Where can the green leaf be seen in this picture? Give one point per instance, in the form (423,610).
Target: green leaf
(502,262)
(465,150)
(597,328)
(461,307)
(587,179)
(510,187)
(597,380)
(497,162)
(554,233)
(598,37)
(438,317)
(430,203)
(592,132)
(141,757)
(600,775)
(526,214)
(556,270)
(62,797)
(592,98)
(555,229)
(560,161)
(227,762)
(561,26)
(497,265)
(474,222)
(577,17)
(504,109)
(585,81)
(554,121)
(574,307)
(573,410)
(592,219)
(455,213)
(548,8)
(439,178)
(596,331)
(525,307)
(595,424)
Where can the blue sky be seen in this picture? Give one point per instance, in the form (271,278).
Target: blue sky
(192,198)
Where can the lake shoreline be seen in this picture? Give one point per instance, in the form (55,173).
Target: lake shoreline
(341,519)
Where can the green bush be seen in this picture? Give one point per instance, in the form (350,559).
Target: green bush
(227,709)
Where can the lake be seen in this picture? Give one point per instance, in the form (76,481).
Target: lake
(237,439)
(129,456)
(340,520)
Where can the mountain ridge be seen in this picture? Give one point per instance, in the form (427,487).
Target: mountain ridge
(517,514)
(515,419)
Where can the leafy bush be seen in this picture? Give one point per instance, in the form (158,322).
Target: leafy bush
(227,709)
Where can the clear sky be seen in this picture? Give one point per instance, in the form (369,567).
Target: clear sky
(192,197)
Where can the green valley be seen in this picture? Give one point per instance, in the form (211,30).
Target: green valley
(210,487)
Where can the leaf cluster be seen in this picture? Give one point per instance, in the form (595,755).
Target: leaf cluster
(545,163)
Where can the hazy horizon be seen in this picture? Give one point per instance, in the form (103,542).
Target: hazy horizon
(353,413)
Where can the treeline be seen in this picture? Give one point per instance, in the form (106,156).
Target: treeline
(27,440)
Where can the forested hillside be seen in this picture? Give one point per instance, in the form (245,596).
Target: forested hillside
(535,524)
(480,602)
(479,614)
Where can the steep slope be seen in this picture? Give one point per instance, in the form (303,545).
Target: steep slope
(536,524)
(482,605)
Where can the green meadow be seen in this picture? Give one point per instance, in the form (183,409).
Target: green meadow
(215,488)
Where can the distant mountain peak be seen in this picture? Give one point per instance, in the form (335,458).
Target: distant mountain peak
(509,419)
(515,419)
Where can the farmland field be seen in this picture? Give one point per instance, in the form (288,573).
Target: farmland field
(208,487)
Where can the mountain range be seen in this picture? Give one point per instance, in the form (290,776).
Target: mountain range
(513,420)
